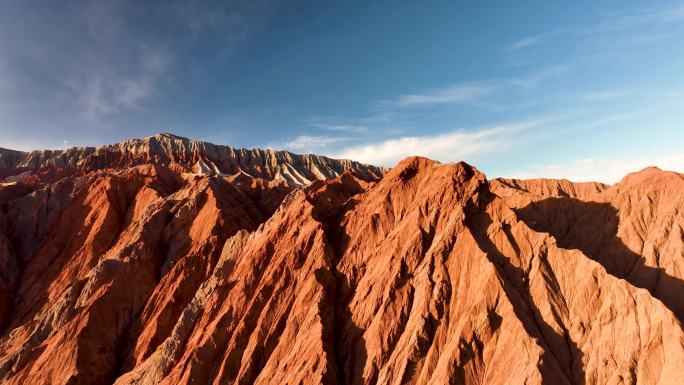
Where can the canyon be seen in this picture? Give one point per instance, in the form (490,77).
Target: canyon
(166,260)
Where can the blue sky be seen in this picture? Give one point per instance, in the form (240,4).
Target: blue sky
(583,90)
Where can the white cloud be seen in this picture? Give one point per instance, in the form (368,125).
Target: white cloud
(105,97)
(535,79)
(527,42)
(477,93)
(600,169)
(341,127)
(451,146)
(308,142)
(95,101)
(457,93)
(156,62)
(635,19)
(131,92)
(384,120)
(107,94)
(605,95)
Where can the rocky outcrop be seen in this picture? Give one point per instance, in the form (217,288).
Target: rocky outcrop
(153,274)
(547,187)
(10,158)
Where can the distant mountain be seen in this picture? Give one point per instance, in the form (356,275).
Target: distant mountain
(191,156)
(170,261)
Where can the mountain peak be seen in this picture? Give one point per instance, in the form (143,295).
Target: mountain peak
(650,177)
(169,135)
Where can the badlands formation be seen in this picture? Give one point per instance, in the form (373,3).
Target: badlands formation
(171,261)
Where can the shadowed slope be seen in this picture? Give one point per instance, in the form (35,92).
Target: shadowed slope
(634,229)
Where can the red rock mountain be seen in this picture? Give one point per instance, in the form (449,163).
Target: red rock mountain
(171,261)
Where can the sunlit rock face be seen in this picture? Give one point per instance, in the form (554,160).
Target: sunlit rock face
(190,156)
(170,261)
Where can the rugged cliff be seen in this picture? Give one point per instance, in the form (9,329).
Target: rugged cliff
(190,156)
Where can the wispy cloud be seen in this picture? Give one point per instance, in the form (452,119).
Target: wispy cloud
(335,123)
(477,92)
(309,142)
(457,93)
(529,41)
(92,68)
(102,94)
(604,170)
(394,117)
(450,146)
(100,97)
(634,40)
(623,20)
(534,79)
(345,128)
(634,20)
(606,95)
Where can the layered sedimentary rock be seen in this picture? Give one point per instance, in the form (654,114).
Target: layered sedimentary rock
(155,273)
(190,156)
(633,228)
(547,187)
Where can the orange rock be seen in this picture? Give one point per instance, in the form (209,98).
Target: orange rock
(145,264)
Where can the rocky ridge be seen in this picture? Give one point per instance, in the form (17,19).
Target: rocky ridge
(190,156)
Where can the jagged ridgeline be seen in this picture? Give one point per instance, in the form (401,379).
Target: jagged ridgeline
(191,156)
(171,261)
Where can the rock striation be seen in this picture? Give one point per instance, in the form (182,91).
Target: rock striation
(174,268)
(190,156)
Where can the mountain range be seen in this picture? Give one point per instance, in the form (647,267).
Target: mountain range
(167,260)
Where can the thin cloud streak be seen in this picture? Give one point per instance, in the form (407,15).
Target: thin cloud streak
(529,41)
(605,95)
(309,142)
(535,79)
(458,93)
(341,127)
(451,146)
(476,92)
(616,22)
